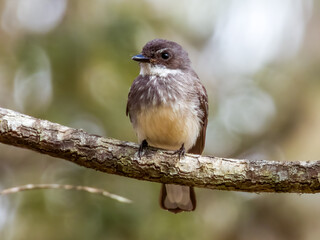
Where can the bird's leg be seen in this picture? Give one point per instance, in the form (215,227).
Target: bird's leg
(143,146)
(181,152)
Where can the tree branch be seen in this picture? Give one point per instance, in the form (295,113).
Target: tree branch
(119,157)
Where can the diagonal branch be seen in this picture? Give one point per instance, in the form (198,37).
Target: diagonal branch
(119,157)
(92,190)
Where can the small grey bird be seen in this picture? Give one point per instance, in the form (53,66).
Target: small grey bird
(168,108)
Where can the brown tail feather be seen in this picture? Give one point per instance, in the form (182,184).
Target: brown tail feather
(176,198)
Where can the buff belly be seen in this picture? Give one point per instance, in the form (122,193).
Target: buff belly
(168,126)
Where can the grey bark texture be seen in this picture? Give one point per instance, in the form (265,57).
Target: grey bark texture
(121,158)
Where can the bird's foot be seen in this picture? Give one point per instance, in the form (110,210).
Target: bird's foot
(142,147)
(181,152)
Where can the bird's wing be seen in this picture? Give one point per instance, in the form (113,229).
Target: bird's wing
(203,99)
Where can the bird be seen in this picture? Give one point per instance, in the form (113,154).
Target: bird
(168,109)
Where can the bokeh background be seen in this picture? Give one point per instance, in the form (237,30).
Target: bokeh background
(69,61)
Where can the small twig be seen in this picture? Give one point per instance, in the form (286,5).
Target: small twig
(65,187)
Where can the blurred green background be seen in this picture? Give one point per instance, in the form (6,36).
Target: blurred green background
(69,61)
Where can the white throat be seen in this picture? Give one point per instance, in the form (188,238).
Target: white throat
(156,70)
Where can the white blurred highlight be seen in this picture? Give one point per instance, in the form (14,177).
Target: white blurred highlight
(220,140)
(4,211)
(33,90)
(38,16)
(248,111)
(250,34)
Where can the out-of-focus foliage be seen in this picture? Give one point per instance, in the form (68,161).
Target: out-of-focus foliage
(70,62)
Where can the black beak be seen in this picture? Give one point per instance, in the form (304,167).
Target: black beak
(140,58)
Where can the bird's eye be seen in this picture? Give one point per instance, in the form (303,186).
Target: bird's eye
(165,55)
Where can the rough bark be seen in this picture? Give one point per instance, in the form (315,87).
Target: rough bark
(121,158)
